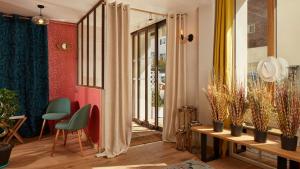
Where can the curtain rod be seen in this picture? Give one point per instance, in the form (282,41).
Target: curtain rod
(21,17)
(150,12)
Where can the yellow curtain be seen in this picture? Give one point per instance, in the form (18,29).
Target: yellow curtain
(223,66)
(223,42)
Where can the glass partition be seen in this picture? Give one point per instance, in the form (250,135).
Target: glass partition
(91,48)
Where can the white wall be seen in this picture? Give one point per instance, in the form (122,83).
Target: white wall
(204,57)
(288,32)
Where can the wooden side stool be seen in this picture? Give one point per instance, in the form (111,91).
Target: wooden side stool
(13,132)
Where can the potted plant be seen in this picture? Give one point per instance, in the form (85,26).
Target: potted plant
(217,96)
(260,102)
(8,107)
(288,114)
(237,104)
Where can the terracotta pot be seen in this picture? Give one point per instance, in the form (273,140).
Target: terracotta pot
(236,130)
(260,137)
(218,126)
(289,143)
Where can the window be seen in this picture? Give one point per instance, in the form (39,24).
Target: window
(258,42)
(149,62)
(255,39)
(90,48)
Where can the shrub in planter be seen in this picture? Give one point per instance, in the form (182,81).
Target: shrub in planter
(237,104)
(260,102)
(9,105)
(288,112)
(217,95)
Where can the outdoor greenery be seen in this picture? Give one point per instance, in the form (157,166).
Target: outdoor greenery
(9,105)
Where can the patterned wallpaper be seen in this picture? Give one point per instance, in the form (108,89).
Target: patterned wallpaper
(62,64)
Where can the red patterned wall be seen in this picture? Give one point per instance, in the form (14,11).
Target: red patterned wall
(62,64)
(62,74)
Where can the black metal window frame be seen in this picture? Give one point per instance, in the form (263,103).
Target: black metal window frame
(145,30)
(89,53)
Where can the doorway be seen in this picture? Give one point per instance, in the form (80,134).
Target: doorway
(149,75)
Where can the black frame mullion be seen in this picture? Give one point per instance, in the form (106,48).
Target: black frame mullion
(88,50)
(138,74)
(103,43)
(146,75)
(95,35)
(82,52)
(156,76)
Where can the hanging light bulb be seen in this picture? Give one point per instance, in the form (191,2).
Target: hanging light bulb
(40,19)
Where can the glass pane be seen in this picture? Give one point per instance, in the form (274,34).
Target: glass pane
(142,75)
(257,35)
(151,74)
(134,75)
(79,55)
(99,47)
(91,49)
(162,56)
(84,67)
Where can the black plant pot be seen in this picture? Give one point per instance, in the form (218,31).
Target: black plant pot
(5,150)
(289,143)
(260,137)
(236,130)
(218,126)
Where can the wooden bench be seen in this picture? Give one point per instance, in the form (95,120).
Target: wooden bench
(247,140)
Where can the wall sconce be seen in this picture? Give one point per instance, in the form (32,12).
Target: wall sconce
(63,46)
(189,38)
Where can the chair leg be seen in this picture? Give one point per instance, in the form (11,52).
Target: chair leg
(53,147)
(63,132)
(66,137)
(41,133)
(79,140)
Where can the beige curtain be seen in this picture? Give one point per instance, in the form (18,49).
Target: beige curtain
(175,75)
(117,84)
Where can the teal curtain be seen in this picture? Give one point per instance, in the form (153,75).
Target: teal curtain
(24,68)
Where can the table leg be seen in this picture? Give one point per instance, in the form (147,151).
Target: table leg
(243,148)
(294,165)
(203,147)
(281,163)
(216,148)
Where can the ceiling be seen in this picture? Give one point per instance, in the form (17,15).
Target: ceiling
(73,10)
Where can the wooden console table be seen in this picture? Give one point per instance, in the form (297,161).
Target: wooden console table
(247,140)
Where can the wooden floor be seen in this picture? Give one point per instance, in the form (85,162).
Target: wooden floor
(142,135)
(156,155)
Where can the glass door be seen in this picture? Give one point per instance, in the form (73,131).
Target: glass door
(149,56)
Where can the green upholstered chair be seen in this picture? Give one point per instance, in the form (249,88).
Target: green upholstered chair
(77,123)
(57,109)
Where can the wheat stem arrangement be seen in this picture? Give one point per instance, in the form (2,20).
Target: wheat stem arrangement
(237,104)
(260,102)
(217,95)
(288,109)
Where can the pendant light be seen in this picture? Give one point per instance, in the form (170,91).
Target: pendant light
(40,19)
